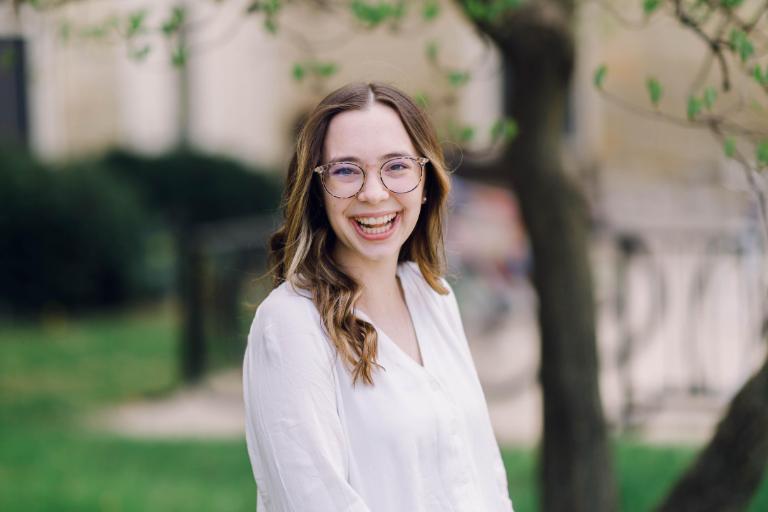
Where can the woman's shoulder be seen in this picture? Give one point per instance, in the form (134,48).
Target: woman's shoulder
(286,304)
(287,343)
(287,309)
(287,327)
(411,271)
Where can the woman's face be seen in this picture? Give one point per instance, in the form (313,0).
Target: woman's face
(362,223)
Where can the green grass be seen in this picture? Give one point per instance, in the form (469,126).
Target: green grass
(55,370)
(52,375)
(645,474)
(46,470)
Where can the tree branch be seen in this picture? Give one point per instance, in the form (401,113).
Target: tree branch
(714,44)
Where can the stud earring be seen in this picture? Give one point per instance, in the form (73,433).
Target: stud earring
(423,199)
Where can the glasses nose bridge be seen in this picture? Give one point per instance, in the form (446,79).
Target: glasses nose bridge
(376,177)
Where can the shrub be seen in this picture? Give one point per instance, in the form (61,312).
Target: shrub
(69,238)
(189,188)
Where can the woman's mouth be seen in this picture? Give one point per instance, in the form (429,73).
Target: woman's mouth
(376,228)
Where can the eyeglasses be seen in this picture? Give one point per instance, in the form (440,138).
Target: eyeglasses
(345,179)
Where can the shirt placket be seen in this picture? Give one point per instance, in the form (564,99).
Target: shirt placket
(457,466)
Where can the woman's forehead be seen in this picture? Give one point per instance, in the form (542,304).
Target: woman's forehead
(366,135)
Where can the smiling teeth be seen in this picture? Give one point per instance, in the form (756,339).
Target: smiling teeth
(374,221)
(376,225)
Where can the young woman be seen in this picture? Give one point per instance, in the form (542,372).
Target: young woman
(360,391)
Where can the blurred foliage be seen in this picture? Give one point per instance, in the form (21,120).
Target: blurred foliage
(69,237)
(53,371)
(190,188)
(97,233)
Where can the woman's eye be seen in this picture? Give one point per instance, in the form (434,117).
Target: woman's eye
(398,166)
(344,171)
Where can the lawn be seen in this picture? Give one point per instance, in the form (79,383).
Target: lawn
(54,373)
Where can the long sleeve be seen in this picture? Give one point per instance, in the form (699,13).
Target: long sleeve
(296,443)
(499,472)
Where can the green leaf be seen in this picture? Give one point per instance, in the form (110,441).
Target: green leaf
(729,147)
(398,10)
(136,23)
(466,134)
(174,23)
(179,57)
(324,69)
(271,6)
(422,99)
(741,44)
(372,14)
(694,107)
(731,4)
(458,78)
(298,72)
(139,54)
(761,77)
(710,95)
(432,50)
(270,25)
(431,10)
(600,73)
(649,6)
(497,8)
(506,129)
(654,90)
(762,152)
(476,9)
(94,31)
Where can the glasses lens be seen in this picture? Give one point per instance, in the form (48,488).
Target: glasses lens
(343,179)
(401,174)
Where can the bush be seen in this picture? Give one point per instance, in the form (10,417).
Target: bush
(189,188)
(69,237)
(75,236)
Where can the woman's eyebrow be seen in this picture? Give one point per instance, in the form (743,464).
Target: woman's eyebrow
(381,158)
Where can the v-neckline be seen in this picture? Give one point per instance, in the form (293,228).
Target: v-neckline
(417,330)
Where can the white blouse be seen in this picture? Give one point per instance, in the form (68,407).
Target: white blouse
(419,440)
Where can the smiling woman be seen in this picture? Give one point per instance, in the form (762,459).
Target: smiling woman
(360,391)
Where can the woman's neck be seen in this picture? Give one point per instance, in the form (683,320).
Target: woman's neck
(378,279)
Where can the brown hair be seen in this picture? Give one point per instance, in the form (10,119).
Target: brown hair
(301,249)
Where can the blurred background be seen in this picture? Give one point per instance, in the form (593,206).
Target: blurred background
(143,148)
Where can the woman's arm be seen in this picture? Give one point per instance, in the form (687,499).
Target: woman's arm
(452,307)
(296,443)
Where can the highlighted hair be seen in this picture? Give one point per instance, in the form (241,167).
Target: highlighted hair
(301,249)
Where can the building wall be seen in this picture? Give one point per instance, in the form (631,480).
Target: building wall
(242,99)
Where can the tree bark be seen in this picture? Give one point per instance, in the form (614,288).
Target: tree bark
(729,470)
(576,470)
(189,263)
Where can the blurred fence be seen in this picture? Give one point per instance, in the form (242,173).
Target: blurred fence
(680,314)
(221,280)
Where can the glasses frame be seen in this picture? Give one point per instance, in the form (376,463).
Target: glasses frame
(321,170)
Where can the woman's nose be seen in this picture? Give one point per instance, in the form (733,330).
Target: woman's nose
(373,190)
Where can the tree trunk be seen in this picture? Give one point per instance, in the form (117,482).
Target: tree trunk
(576,469)
(189,263)
(729,470)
